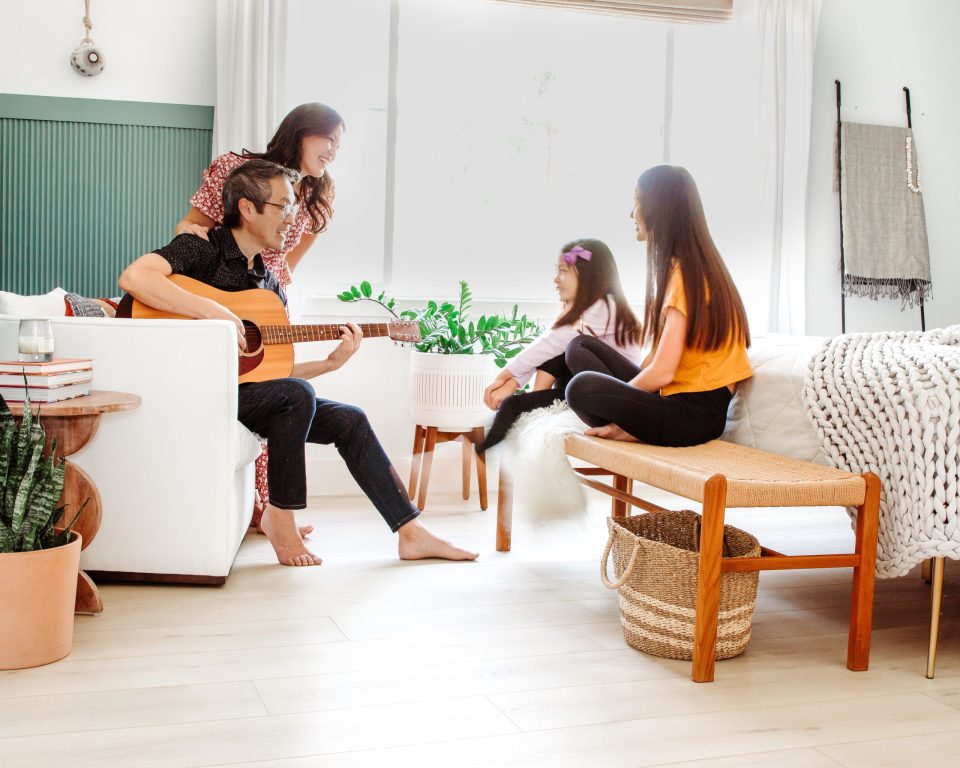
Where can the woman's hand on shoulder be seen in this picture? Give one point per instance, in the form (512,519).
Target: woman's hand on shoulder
(499,390)
(189,228)
(196,222)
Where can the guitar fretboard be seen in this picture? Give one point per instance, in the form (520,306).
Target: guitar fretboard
(287,334)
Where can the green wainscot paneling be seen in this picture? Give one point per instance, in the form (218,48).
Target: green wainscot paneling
(87,186)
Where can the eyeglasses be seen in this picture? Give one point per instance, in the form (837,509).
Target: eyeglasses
(287,210)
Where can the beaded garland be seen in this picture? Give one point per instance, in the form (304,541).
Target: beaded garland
(918,188)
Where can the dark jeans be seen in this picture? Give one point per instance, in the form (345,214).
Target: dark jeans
(516,405)
(288,414)
(600,394)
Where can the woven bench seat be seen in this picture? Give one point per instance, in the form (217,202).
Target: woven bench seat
(720,474)
(754,478)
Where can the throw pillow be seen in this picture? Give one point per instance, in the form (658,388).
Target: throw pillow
(45,305)
(81,306)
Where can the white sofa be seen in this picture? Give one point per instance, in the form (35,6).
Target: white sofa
(176,475)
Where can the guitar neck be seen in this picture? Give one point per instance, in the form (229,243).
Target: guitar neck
(289,334)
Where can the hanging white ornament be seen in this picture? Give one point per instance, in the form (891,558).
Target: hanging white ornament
(86,58)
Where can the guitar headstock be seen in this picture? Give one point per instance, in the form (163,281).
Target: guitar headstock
(404,330)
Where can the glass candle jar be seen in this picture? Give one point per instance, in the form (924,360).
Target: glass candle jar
(35,341)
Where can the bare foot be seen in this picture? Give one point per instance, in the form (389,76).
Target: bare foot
(259,507)
(417,543)
(611,432)
(303,530)
(280,528)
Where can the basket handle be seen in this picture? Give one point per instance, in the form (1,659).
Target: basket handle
(604,565)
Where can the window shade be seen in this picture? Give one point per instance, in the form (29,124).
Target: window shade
(690,11)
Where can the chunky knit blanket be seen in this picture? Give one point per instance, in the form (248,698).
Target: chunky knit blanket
(889,403)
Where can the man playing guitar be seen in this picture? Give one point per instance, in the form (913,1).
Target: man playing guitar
(259,205)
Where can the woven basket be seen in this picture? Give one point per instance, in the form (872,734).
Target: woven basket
(656,564)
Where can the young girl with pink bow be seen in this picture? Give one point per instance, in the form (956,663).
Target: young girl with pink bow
(594,304)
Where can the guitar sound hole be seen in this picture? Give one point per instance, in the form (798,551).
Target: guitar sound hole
(253,336)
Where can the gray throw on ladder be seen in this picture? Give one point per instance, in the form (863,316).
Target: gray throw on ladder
(884,230)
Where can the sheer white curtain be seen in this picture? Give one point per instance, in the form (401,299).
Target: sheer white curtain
(788,33)
(251,71)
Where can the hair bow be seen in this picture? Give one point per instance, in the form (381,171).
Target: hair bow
(570,257)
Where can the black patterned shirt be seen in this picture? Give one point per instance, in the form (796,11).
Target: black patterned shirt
(218,263)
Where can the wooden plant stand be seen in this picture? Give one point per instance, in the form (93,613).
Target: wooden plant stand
(425,440)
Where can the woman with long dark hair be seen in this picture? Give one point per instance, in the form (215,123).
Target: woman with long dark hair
(694,320)
(594,305)
(306,141)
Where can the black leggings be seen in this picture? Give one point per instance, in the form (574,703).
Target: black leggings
(515,406)
(600,394)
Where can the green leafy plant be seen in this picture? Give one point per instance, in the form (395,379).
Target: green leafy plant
(446,327)
(31,484)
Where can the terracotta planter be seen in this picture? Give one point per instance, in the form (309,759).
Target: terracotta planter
(38,591)
(446,391)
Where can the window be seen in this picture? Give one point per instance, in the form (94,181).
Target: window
(519,130)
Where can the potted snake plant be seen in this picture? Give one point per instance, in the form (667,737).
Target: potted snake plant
(38,562)
(457,357)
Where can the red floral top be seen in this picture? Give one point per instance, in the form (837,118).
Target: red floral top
(209,200)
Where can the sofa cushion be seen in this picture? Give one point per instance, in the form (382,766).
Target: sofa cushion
(44,305)
(247,447)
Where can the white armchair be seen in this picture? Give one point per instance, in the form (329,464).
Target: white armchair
(176,475)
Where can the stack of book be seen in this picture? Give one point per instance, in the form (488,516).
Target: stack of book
(48,382)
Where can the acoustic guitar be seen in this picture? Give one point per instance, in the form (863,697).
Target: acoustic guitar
(270,336)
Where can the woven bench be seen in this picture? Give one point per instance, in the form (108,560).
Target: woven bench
(720,474)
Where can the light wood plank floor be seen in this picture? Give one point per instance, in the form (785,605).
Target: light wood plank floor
(515,660)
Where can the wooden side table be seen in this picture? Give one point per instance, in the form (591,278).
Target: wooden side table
(74,422)
(425,440)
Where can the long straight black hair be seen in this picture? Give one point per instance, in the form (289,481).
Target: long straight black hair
(596,279)
(677,236)
(285,148)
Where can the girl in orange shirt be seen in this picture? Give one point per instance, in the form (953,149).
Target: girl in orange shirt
(694,320)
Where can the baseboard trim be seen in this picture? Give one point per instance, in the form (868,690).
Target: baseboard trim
(129,577)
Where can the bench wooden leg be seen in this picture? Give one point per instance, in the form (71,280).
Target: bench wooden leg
(431,444)
(708,579)
(620,483)
(481,468)
(415,460)
(861,603)
(504,510)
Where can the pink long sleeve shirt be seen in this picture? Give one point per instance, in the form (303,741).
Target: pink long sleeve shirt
(599,319)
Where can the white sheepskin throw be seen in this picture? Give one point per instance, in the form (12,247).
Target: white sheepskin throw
(889,403)
(545,487)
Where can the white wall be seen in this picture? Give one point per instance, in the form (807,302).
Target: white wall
(153,51)
(875,48)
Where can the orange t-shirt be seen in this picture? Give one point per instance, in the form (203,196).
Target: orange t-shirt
(700,370)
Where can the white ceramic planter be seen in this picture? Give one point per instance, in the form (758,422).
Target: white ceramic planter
(446,391)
